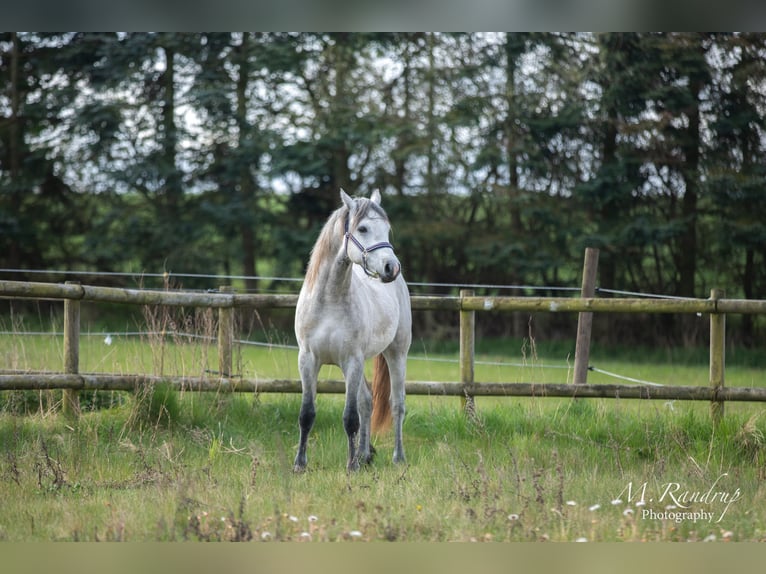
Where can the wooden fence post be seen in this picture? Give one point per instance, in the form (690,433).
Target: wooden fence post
(467,345)
(717,355)
(585,319)
(71,404)
(225,336)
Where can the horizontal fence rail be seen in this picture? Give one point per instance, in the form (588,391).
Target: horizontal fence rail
(466,304)
(109,382)
(217,300)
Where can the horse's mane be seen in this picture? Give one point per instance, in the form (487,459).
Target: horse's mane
(328,242)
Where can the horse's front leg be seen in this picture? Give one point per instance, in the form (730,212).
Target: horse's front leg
(309,370)
(356,414)
(365,452)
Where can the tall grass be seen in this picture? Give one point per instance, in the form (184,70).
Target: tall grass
(165,465)
(523,470)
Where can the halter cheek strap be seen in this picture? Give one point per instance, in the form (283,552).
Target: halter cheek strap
(365,250)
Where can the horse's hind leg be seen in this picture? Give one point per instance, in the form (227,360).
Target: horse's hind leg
(309,370)
(397,367)
(354,374)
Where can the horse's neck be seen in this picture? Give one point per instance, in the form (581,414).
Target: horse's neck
(335,279)
(332,276)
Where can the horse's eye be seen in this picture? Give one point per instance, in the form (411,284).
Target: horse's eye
(363,229)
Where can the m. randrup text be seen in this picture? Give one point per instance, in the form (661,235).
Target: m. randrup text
(711,503)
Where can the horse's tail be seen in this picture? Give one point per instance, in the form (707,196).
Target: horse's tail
(381,390)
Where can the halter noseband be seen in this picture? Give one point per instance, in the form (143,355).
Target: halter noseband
(365,250)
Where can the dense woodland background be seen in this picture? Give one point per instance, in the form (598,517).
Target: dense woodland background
(500,156)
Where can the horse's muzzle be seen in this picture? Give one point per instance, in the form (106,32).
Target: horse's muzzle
(391,271)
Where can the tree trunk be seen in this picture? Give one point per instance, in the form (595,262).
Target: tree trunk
(341,115)
(173,188)
(514,48)
(247,188)
(405,134)
(688,241)
(15,144)
(610,212)
(431,127)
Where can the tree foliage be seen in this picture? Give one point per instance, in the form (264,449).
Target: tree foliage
(501,156)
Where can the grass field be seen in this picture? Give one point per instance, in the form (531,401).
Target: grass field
(162,465)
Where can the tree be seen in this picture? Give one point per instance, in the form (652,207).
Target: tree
(737,170)
(136,91)
(43,217)
(607,194)
(234,91)
(683,75)
(501,155)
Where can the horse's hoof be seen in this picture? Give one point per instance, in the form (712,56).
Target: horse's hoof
(368,458)
(299,465)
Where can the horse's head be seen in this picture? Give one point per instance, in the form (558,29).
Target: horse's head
(366,237)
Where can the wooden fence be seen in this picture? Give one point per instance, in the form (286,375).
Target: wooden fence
(71,380)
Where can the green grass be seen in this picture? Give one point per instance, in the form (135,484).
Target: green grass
(497,360)
(165,465)
(220,469)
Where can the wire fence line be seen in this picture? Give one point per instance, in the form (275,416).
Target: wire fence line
(466,304)
(640,294)
(108,340)
(166,276)
(274,279)
(138,275)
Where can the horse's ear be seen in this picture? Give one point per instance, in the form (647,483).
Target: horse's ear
(347,200)
(375,197)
